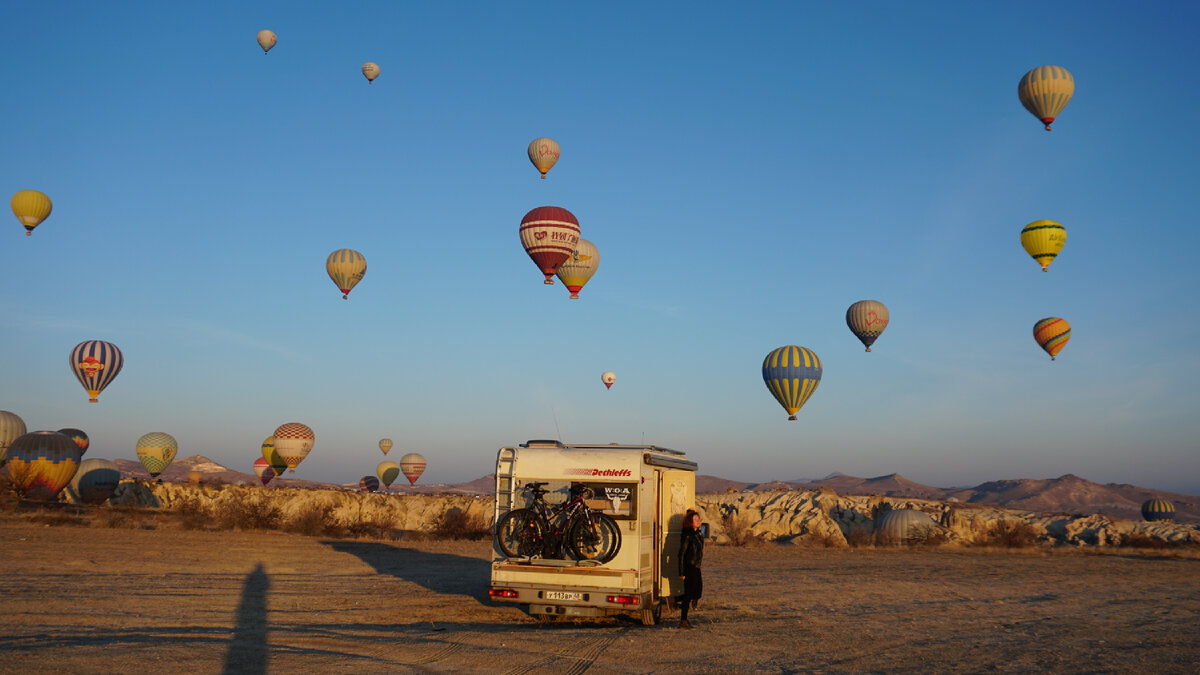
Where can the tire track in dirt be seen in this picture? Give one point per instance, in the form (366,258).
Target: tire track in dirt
(583,655)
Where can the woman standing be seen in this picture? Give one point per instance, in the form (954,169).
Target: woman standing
(691,554)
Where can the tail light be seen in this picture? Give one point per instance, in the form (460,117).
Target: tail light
(623,599)
(502,593)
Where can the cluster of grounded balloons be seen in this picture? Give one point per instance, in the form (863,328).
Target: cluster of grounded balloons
(792,373)
(42,463)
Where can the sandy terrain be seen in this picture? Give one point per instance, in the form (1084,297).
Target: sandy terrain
(91,599)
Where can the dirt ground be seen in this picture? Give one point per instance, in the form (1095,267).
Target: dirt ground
(99,600)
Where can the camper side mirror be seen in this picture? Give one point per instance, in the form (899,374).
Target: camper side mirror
(704,530)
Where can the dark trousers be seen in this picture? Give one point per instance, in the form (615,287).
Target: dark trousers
(693,588)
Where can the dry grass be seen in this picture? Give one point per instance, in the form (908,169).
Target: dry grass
(1008,534)
(457,525)
(738,532)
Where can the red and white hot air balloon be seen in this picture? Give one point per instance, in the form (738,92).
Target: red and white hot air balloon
(550,235)
(412,466)
(608,378)
(293,442)
(262,469)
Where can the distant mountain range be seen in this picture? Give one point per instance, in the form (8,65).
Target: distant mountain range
(1065,494)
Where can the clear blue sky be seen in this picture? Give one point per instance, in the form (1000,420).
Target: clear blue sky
(746,172)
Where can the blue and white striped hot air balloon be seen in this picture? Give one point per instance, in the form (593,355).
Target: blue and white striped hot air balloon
(95,364)
(792,374)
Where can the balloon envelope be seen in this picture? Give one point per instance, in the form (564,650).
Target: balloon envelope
(262,469)
(608,379)
(12,427)
(293,442)
(41,463)
(81,439)
(96,480)
(156,450)
(95,364)
(385,444)
(549,235)
(1043,239)
(266,40)
(388,472)
(31,208)
(905,525)
(579,267)
(412,466)
(1158,509)
(195,477)
(867,319)
(272,456)
(370,71)
(346,267)
(543,152)
(792,374)
(1045,91)
(368,484)
(1052,334)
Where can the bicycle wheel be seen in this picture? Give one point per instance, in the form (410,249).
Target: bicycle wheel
(519,534)
(595,537)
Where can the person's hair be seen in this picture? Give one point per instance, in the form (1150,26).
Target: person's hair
(687,518)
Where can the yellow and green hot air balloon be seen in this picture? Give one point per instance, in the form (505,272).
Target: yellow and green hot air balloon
(1052,334)
(1045,91)
(1044,239)
(156,450)
(792,374)
(346,267)
(31,208)
(388,472)
(274,461)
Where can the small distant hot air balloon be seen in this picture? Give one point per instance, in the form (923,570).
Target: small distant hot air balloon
(293,442)
(31,208)
(412,466)
(368,484)
(156,450)
(385,444)
(579,267)
(550,235)
(95,364)
(792,374)
(370,71)
(867,319)
(272,456)
(41,463)
(608,378)
(1045,91)
(262,469)
(194,477)
(1043,239)
(96,480)
(346,267)
(1052,334)
(12,427)
(81,439)
(543,152)
(266,40)
(388,472)
(1158,509)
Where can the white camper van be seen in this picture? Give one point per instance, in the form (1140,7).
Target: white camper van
(645,490)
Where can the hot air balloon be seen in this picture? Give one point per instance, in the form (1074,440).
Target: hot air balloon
(95,364)
(867,319)
(195,477)
(368,484)
(1158,509)
(266,40)
(81,439)
(96,480)
(543,152)
(156,450)
(385,444)
(31,208)
(579,267)
(1052,334)
(12,427)
(370,71)
(388,472)
(273,459)
(293,442)
(1045,91)
(905,526)
(608,378)
(549,235)
(346,267)
(41,463)
(262,469)
(792,374)
(412,466)
(1043,239)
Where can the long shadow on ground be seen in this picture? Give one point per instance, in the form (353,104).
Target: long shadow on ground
(248,647)
(438,572)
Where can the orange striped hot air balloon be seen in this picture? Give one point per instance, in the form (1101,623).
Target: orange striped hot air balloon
(550,235)
(1052,334)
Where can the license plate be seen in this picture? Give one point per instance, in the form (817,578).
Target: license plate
(561,595)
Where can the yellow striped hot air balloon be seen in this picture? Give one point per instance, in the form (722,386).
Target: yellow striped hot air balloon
(385,444)
(543,152)
(370,70)
(31,208)
(1045,91)
(1044,239)
(266,40)
(1052,334)
(792,374)
(346,267)
(579,267)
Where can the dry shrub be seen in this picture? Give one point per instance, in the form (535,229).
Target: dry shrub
(860,537)
(1008,534)
(247,514)
(1142,540)
(192,513)
(738,533)
(314,520)
(457,524)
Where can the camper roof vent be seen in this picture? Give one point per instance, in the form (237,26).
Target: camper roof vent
(542,443)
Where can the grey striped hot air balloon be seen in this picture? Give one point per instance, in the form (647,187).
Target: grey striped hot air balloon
(905,526)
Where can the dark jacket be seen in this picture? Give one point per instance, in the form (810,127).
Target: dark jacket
(691,550)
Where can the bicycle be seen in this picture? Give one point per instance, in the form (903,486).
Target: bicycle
(541,530)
